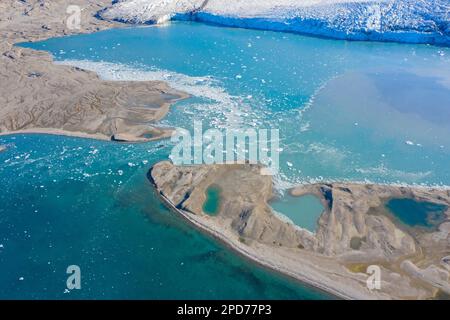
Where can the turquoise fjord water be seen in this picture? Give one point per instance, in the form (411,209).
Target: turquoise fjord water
(343,113)
(76,201)
(345,110)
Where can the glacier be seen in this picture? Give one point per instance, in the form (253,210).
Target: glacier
(411,21)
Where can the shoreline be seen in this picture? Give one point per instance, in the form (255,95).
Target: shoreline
(327,260)
(252,254)
(83,105)
(252,257)
(249,256)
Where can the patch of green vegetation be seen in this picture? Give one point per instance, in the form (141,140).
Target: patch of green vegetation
(358,267)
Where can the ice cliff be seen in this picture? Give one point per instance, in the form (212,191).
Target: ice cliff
(414,21)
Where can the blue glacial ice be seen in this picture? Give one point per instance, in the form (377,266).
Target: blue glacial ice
(412,21)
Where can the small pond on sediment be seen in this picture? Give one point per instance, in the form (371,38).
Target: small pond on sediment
(415,213)
(303,211)
(212,203)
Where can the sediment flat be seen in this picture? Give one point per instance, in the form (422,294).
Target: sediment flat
(353,232)
(37,96)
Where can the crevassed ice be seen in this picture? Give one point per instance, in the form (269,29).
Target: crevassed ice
(414,21)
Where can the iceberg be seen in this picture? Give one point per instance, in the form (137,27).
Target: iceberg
(411,21)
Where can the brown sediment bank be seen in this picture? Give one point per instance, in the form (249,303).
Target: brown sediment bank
(37,96)
(413,266)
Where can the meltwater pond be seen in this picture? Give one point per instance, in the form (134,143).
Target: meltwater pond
(415,213)
(303,211)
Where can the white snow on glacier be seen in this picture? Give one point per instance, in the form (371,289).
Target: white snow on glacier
(149,11)
(415,21)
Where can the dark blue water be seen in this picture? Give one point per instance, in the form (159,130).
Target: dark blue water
(212,202)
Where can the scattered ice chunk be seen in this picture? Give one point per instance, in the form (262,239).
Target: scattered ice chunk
(409,142)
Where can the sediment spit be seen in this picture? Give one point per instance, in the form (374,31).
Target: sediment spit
(37,96)
(354,231)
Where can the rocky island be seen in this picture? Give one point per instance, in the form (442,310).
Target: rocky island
(354,231)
